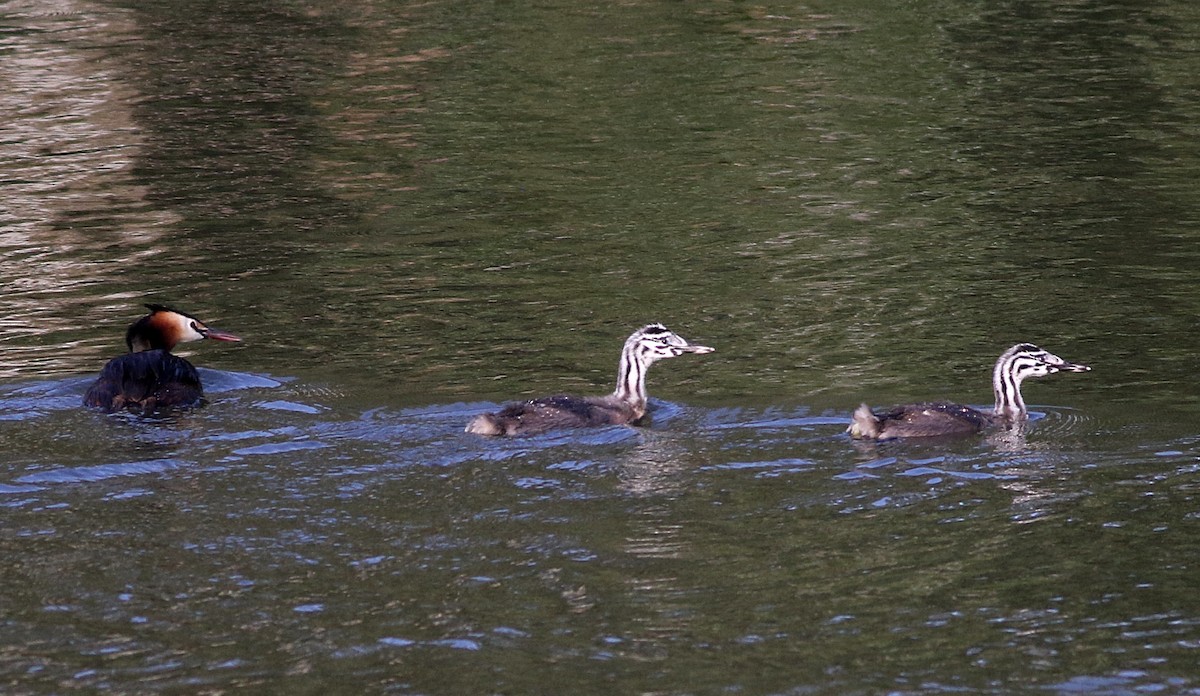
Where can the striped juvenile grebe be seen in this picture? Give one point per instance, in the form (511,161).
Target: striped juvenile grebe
(941,418)
(148,376)
(626,405)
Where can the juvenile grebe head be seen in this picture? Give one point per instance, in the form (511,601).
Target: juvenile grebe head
(643,348)
(1021,361)
(164,328)
(1027,360)
(655,342)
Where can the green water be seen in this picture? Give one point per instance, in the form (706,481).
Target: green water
(414,211)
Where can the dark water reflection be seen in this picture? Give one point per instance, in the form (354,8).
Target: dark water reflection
(415,210)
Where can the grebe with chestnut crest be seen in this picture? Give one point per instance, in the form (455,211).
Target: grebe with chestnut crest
(149,377)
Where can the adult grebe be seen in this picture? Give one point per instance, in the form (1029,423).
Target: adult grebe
(941,418)
(626,405)
(148,376)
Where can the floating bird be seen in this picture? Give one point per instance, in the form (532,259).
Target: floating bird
(149,376)
(942,418)
(626,405)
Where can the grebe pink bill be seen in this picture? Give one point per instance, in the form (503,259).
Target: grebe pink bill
(149,377)
(942,418)
(626,405)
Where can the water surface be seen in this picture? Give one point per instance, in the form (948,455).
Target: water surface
(414,211)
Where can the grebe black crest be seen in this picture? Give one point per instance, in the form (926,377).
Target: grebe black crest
(626,405)
(941,418)
(149,376)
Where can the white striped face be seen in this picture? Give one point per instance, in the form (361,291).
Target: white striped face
(655,341)
(1027,360)
(1021,361)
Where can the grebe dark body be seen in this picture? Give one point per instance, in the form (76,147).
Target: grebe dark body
(149,377)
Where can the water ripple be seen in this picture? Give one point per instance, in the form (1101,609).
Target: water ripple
(102,472)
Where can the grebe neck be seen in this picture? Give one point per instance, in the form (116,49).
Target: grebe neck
(1006,383)
(631,376)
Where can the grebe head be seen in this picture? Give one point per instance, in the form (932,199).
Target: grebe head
(164,327)
(655,341)
(1027,360)
(648,344)
(1021,361)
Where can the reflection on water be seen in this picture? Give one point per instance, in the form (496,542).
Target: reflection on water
(413,210)
(67,156)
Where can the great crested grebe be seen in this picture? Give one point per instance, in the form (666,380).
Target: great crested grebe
(941,418)
(148,376)
(626,405)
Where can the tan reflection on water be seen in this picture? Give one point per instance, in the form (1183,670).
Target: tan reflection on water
(73,215)
(656,544)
